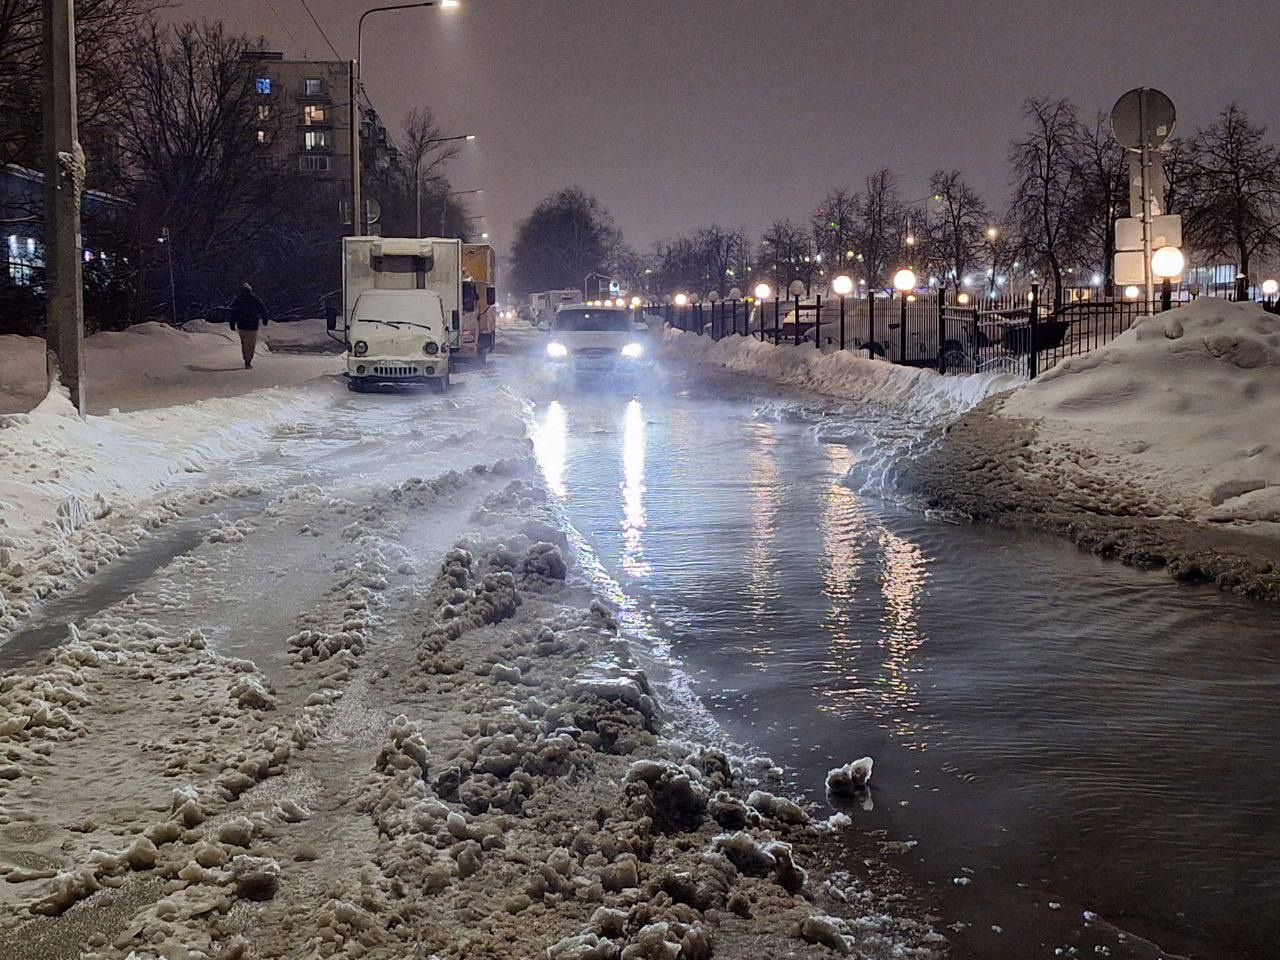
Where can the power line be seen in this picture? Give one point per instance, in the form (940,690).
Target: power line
(285,25)
(307,7)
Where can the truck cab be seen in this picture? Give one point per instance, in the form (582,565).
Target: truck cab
(398,337)
(479,328)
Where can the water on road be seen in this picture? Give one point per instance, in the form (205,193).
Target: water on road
(1060,734)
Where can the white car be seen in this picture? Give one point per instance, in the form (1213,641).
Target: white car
(397,337)
(590,341)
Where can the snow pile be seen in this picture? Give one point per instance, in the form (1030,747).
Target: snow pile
(153,364)
(909,390)
(1184,404)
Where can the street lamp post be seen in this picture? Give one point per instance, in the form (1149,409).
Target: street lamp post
(904,281)
(1167,263)
(353,109)
(417,177)
(842,286)
(444,207)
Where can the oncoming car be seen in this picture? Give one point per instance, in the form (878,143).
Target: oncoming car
(592,341)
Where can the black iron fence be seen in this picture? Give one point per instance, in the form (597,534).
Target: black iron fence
(950,332)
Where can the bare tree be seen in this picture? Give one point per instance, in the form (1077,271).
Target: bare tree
(1102,174)
(567,236)
(1046,186)
(879,228)
(834,225)
(786,251)
(426,152)
(954,233)
(1234,209)
(722,254)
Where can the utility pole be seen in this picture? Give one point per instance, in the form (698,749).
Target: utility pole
(63,181)
(353,98)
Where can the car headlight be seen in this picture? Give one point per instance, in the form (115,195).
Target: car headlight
(557,350)
(359,348)
(633,351)
(432,348)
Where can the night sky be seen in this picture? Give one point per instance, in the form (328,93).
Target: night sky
(677,114)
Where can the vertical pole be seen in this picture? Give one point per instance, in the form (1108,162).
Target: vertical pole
(353,98)
(1146,199)
(417,202)
(842,323)
(173,290)
(902,328)
(777,332)
(942,329)
(63,179)
(1033,334)
(871,324)
(795,320)
(817,322)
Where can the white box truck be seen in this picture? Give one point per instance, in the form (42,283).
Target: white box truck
(401,306)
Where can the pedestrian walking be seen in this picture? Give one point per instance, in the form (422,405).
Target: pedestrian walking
(247,312)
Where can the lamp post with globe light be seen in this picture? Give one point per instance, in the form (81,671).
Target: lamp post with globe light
(904,281)
(1167,264)
(842,286)
(1269,290)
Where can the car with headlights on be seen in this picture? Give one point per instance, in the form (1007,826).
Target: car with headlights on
(589,341)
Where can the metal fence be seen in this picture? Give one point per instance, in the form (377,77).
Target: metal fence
(950,332)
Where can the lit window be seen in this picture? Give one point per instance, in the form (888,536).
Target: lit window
(264,85)
(264,136)
(313,87)
(264,111)
(313,114)
(316,139)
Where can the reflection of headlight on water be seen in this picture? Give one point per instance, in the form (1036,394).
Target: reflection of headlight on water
(557,350)
(633,351)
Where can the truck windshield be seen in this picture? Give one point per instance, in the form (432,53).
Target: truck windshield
(613,320)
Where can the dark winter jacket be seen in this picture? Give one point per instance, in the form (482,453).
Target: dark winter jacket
(247,311)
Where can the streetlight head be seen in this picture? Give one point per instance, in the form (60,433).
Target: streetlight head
(1167,263)
(681,299)
(484,236)
(962,299)
(449,4)
(992,233)
(635,302)
(1270,288)
(471,136)
(763,291)
(1131,292)
(904,280)
(842,285)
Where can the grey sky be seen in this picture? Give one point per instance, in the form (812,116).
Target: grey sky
(676,114)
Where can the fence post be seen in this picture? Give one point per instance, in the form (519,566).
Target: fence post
(902,329)
(871,324)
(842,323)
(795,320)
(1033,334)
(942,330)
(817,322)
(777,332)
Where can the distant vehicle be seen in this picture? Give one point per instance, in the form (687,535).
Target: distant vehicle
(479,328)
(543,306)
(401,315)
(588,341)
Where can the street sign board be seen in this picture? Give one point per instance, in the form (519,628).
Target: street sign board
(1143,116)
(1129,268)
(1166,231)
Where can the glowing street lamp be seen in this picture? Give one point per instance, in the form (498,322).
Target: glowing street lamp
(763,291)
(904,281)
(1131,292)
(681,299)
(842,285)
(635,302)
(962,298)
(1269,290)
(1167,263)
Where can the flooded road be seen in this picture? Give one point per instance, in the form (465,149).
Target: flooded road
(1084,752)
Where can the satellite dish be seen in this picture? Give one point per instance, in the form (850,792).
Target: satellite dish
(1143,116)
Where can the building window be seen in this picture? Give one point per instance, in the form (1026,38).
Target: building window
(264,111)
(313,164)
(264,136)
(312,87)
(24,260)
(313,114)
(316,140)
(264,85)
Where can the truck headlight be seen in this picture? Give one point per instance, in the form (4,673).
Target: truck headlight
(359,348)
(432,348)
(557,350)
(633,351)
